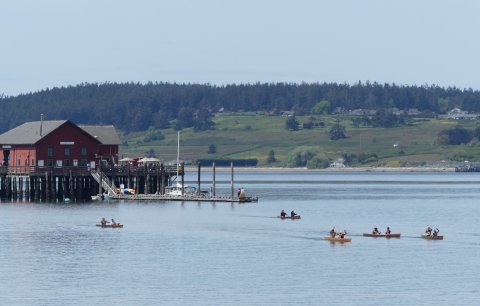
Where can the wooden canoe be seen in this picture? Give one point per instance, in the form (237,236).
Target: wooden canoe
(110,225)
(382,235)
(289,217)
(337,239)
(432,238)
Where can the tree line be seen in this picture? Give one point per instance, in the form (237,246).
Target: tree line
(138,107)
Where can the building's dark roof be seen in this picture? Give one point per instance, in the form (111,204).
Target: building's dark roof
(106,134)
(29,132)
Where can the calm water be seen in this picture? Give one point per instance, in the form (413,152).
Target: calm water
(220,254)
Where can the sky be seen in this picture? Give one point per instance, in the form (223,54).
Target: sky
(53,43)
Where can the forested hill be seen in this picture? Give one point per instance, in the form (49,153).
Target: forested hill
(136,107)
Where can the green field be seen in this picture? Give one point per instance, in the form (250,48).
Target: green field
(253,136)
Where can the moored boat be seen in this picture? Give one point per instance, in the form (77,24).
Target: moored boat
(382,235)
(248,199)
(101,197)
(116,225)
(289,217)
(432,238)
(337,239)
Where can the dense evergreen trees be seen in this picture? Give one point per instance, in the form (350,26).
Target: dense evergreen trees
(292,124)
(136,107)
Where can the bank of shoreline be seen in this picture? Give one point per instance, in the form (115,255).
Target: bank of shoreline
(334,170)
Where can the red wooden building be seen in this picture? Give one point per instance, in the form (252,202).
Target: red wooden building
(58,144)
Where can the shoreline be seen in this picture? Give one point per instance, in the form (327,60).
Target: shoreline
(327,170)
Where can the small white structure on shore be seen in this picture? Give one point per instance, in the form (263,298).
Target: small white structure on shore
(337,164)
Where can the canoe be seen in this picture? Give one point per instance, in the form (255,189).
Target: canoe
(110,225)
(289,217)
(382,235)
(432,238)
(248,199)
(337,239)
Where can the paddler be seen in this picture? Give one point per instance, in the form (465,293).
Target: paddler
(103,222)
(388,231)
(283,214)
(332,232)
(342,234)
(428,231)
(376,231)
(292,214)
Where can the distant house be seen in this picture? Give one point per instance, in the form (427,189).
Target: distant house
(458,114)
(362,112)
(287,113)
(338,110)
(58,143)
(338,163)
(413,112)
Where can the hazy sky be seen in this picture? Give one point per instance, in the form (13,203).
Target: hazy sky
(52,43)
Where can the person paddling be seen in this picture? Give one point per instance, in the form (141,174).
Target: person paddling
(332,232)
(388,231)
(103,222)
(283,214)
(292,214)
(428,231)
(376,231)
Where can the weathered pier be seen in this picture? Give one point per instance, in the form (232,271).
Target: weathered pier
(49,184)
(146,182)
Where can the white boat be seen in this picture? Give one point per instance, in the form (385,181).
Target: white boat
(187,191)
(176,190)
(99,197)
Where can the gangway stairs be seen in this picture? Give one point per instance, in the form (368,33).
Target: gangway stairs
(106,183)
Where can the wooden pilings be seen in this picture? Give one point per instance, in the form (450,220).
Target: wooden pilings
(213,183)
(46,187)
(77,185)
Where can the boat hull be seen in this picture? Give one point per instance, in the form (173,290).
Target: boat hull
(432,238)
(289,217)
(382,235)
(336,239)
(110,225)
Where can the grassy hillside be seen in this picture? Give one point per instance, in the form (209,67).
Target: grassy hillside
(253,136)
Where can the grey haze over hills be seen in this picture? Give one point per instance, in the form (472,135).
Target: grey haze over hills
(59,43)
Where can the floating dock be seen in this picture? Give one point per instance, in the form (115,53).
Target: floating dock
(193,198)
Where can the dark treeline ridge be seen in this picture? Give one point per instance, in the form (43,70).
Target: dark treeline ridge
(136,107)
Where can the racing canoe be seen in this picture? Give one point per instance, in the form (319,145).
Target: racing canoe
(382,235)
(118,225)
(432,238)
(337,239)
(289,217)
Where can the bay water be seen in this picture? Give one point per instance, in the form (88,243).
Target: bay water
(202,253)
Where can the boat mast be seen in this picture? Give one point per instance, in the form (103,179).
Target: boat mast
(178,151)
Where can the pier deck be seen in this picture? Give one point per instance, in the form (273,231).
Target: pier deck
(160,197)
